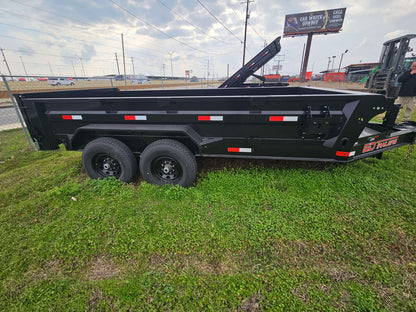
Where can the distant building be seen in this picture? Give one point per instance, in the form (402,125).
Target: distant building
(358,72)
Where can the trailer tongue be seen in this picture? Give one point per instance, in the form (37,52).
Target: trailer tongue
(161,131)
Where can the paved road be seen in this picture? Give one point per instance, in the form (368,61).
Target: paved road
(8,118)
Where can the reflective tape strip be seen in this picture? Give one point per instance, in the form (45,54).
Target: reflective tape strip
(345,154)
(72,117)
(210,118)
(135,117)
(283,118)
(239,150)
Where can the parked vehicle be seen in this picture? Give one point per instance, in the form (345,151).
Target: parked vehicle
(144,80)
(160,132)
(61,82)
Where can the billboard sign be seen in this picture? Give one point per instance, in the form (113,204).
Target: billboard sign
(314,22)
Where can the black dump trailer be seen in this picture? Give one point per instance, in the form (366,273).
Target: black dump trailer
(160,132)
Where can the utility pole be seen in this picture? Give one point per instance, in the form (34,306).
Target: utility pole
(207,72)
(124,61)
(118,68)
(280,58)
(132,63)
(50,68)
(82,65)
(73,67)
(164,76)
(245,29)
(171,64)
(23,66)
(7,65)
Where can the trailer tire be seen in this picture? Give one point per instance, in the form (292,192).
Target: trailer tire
(107,157)
(168,162)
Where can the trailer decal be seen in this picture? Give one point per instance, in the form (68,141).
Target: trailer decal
(135,117)
(380,144)
(239,150)
(72,117)
(210,118)
(283,118)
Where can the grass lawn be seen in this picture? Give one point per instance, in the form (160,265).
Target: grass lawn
(248,236)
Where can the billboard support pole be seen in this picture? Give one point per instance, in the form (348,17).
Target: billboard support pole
(306,58)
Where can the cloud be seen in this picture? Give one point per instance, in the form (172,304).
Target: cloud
(26,50)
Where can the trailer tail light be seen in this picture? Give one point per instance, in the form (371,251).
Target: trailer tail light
(135,117)
(72,117)
(210,118)
(345,154)
(239,150)
(283,118)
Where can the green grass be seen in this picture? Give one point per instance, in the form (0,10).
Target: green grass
(259,236)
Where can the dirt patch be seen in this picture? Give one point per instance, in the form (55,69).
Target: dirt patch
(252,303)
(51,270)
(102,268)
(340,275)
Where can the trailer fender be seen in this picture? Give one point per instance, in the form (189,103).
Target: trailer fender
(83,135)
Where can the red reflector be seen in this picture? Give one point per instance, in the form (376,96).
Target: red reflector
(67,117)
(234,149)
(129,118)
(201,118)
(345,154)
(276,118)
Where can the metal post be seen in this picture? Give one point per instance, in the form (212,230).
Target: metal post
(17,112)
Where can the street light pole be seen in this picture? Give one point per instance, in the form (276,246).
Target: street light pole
(333,62)
(340,61)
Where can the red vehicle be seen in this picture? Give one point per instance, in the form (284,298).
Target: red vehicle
(42,79)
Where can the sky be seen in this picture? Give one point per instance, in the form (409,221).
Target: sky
(168,37)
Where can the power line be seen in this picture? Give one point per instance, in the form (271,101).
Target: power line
(188,22)
(47,22)
(156,28)
(219,21)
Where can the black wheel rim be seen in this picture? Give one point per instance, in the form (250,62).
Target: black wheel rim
(166,168)
(107,166)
